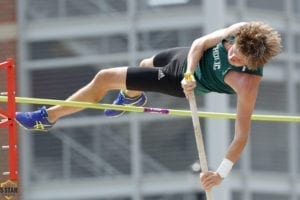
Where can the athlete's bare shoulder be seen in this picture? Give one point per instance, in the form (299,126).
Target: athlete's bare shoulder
(242,82)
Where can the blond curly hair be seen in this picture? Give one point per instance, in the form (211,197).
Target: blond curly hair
(258,42)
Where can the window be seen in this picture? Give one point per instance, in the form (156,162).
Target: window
(269,147)
(117,43)
(297,43)
(273,5)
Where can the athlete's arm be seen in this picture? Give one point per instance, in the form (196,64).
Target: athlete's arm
(199,46)
(203,43)
(246,87)
(246,98)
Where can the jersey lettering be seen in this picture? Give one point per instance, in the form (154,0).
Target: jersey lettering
(216,55)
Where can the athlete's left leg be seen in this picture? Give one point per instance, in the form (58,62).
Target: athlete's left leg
(104,81)
(147,62)
(94,91)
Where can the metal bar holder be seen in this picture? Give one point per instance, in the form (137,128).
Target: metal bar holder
(8,119)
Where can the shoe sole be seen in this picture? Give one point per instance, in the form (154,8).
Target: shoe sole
(30,129)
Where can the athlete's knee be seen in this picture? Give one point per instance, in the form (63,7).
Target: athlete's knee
(103,76)
(148,62)
(99,85)
(110,78)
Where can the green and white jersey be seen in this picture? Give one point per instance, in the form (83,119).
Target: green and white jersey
(213,67)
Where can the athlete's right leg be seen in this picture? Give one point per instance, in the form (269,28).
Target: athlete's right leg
(161,59)
(168,57)
(130,97)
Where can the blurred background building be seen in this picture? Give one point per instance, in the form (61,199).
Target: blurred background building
(61,44)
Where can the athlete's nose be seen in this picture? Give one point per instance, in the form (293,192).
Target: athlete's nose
(232,58)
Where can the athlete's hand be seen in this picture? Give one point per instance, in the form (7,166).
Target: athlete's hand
(210,179)
(188,84)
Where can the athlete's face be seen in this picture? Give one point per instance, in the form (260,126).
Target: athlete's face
(235,57)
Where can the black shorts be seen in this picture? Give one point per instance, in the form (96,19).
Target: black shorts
(164,77)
